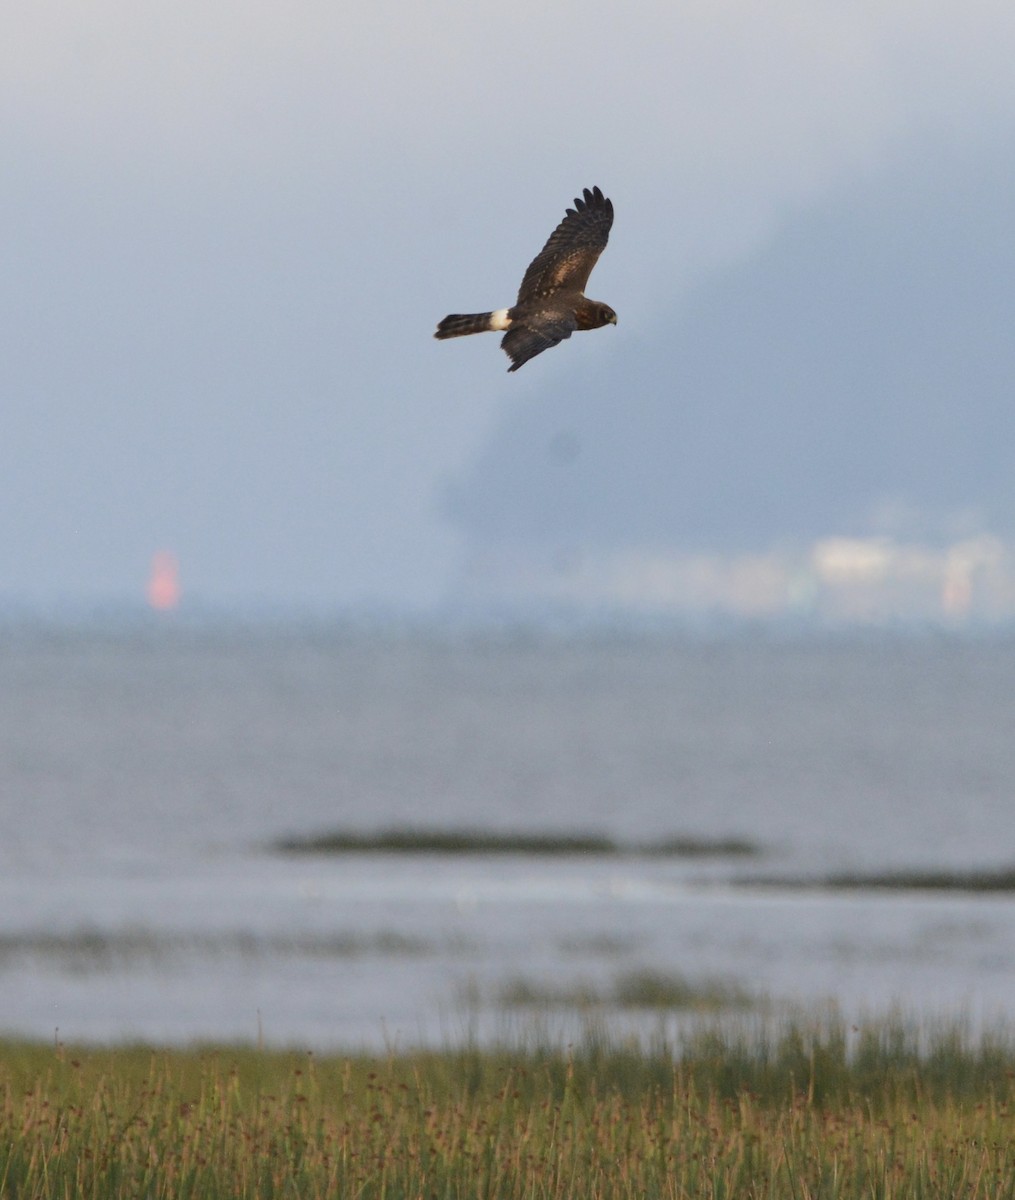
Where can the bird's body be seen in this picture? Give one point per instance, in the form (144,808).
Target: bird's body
(551,302)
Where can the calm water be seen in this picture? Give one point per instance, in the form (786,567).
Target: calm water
(145,774)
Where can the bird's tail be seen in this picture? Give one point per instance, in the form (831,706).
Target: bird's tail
(460,324)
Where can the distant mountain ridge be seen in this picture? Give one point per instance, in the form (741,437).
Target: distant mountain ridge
(855,377)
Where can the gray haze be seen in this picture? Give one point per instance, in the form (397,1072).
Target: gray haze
(229,230)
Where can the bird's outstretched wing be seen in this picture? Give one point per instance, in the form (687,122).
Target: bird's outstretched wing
(527,338)
(572,250)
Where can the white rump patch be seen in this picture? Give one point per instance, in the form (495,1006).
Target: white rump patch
(500,319)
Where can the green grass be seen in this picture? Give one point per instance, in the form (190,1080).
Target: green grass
(476,841)
(811,1110)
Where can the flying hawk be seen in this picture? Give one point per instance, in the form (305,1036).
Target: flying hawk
(551,302)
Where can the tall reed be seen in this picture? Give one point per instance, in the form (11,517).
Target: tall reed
(810,1111)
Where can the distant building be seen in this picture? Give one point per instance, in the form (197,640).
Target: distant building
(835,580)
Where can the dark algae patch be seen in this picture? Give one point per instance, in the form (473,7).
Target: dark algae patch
(1000,879)
(475,841)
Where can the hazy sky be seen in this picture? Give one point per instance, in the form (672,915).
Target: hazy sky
(230,229)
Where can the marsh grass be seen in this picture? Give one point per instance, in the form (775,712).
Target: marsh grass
(809,1111)
(643,988)
(475,841)
(87,950)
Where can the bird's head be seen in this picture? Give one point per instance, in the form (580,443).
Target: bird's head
(594,314)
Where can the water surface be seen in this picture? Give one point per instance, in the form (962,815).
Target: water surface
(145,774)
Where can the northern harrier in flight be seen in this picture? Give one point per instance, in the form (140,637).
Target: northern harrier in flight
(551,302)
